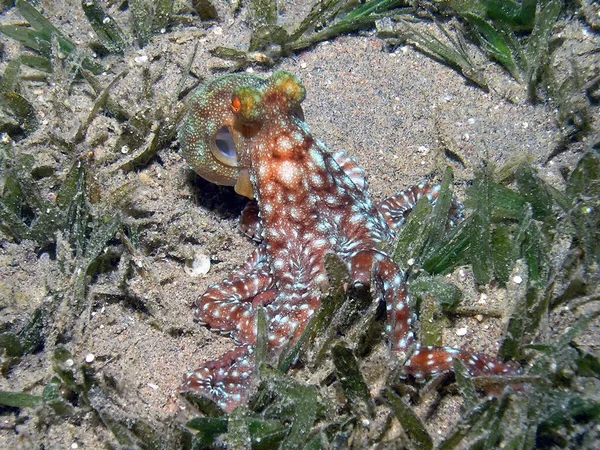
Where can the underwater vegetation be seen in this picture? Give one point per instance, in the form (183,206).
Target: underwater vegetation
(539,242)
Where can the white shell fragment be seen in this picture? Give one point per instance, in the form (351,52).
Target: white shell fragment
(198,266)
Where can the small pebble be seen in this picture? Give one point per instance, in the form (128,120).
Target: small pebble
(461,331)
(89,358)
(518,279)
(141,60)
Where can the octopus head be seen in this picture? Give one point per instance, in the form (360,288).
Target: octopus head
(280,96)
(224,113)
(212,133)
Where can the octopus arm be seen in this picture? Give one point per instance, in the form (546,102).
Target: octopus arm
(396,209)
(352,169)
(228,306)
(250,223)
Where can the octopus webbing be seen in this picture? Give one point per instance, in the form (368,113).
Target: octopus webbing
(249,132)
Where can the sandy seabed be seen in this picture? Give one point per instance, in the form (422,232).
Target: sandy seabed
(396,111)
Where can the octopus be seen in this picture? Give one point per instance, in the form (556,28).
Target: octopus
(249,132)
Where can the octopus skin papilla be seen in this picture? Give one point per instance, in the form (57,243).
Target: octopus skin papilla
(249,132)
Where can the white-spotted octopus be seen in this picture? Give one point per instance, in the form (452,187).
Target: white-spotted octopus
(249,132)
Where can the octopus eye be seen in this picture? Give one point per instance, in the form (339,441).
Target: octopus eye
(224,148)
(224,142)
